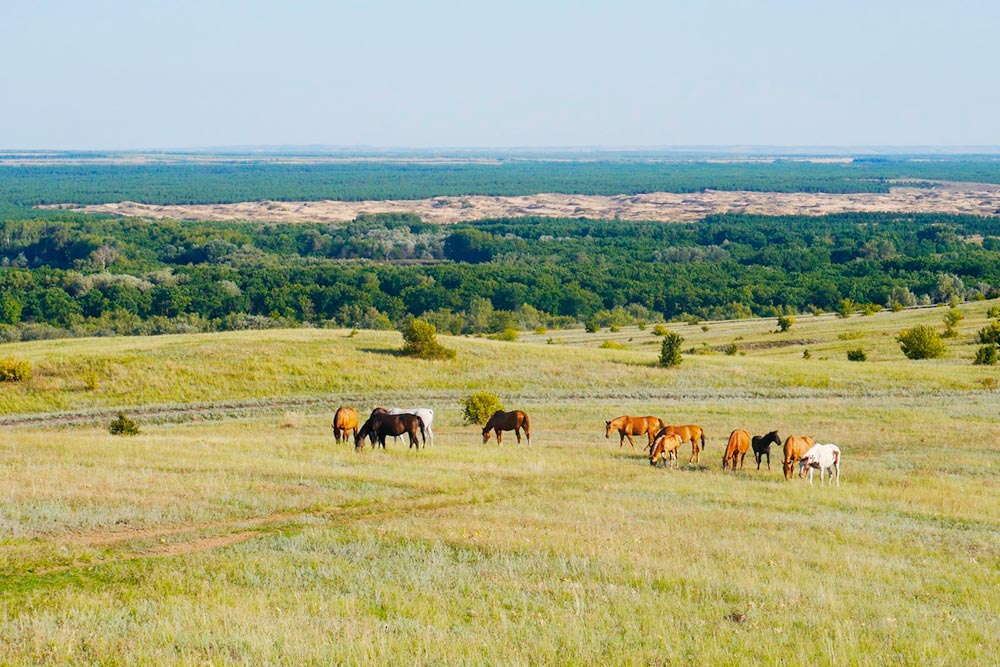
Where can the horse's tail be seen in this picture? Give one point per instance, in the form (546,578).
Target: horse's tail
(336,415)
(703,439)
(423,435)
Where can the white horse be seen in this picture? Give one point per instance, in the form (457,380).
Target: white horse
(425,414)
(824,457)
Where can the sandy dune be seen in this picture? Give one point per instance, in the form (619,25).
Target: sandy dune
(972,198)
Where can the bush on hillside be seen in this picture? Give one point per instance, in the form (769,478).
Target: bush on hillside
(420,340)
(122,425)
(921,342)
(785,322)
(986,356)
(479,407)
(856,354)
(14,370)
(670,351)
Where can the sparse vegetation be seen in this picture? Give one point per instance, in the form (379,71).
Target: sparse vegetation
(857,354)
(951,320)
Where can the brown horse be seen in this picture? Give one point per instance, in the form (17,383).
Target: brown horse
(666,444)
(689,432)
(381,424)
(507,421)
(795,447)
(739,444)
(629,426)
(344,420)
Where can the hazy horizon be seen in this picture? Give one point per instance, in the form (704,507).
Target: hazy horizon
(113,76)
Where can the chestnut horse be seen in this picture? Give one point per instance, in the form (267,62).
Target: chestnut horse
(795,447)
(666,444)
(381,424)
(762,446)
(689,432)
(507,421)
(629,426)
(344,420)
(739,444)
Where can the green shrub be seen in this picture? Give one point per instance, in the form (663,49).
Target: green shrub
(540,330)
(14,370)
(993,311)
(670,351)
(421,341)
(871,309)
(122,425)
(612,345)
(785,322)
(660,330)
(806,354)
(986,356)
(479,407)
(990,334)
(951,319)
(856,354)
(592,326)
(614,328)
(731,349)
(508,334)
(845,308)
(921,342)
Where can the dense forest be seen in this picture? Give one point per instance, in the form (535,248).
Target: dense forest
(70,274)
(222,182)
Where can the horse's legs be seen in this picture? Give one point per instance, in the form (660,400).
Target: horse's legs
(630,440)
(768,460)
(836,467)
(499,437)
(430,434)
(517,434)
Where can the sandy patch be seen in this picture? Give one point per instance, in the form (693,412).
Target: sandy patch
(958,198)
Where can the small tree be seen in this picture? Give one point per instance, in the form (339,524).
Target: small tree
(845,307)
(479,407)
(785,323)
(122,425)
(660,330)
(951,319)
(921,342)
(990,335)
(670,351)
(986,356)
(993,311)
(421,341)
(856,355)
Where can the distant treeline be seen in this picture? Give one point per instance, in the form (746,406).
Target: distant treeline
(231,181)
(78,274)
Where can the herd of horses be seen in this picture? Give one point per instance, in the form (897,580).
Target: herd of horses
(664,440)
(384,422)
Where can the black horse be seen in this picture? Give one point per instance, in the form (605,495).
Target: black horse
(762,446)
(380,424)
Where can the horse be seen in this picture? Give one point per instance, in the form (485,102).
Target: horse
(629,426)
(795,447)
(507,421)
(381,424)
(666,444)
(824,457)
(689,432)
(344,420)
(426,414)
(762,446)
(739,443)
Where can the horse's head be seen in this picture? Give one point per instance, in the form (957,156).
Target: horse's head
(804,463)
(607,429)
(486,435)
(656,452)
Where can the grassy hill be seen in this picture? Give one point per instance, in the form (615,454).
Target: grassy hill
(234,526)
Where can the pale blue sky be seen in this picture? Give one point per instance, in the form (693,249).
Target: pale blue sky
(136,75)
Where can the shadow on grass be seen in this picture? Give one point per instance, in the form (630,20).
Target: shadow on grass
(377,350)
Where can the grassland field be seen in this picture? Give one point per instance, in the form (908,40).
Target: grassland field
(233,530)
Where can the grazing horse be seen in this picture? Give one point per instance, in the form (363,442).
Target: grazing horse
(381,424)
(795,447)
(762,447)
(507,421)
(689,432)
(736,449)
(426,414)
(629,426)
(344,420)
(665,445)
(824,457)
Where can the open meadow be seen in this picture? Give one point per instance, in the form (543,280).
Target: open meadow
(233,529)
